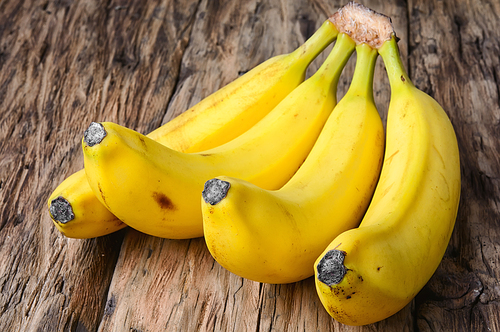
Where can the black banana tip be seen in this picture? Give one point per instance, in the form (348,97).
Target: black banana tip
(94,134)
(331,269)
(60,210)
(215,190)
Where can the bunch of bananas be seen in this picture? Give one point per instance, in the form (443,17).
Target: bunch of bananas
(291,183)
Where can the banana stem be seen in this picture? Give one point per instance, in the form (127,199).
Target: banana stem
(389,52)
(362,80)
(363,25)
(323,37)
(336,60)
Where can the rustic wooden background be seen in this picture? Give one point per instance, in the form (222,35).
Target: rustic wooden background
(65,63)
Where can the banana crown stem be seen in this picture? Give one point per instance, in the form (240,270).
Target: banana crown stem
(320,39)
(334,64)
(362,80)
(389,52)
(363,25)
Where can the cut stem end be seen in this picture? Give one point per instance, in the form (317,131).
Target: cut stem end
(363,24)
(215,190)
(60,210)
(94,134)
(331,269)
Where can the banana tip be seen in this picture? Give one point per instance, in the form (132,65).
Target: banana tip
(94,134)
(215,190)
(331,269)
(60,210)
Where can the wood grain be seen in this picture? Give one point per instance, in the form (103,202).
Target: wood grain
(139,63)
(63,65)
(453,56)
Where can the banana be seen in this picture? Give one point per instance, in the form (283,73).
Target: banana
(369,273)
(77,213)
(156,190)
(275,236)
(215,120)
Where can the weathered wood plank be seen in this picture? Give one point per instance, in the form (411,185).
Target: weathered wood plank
(66,63)
(454,47)
(63,65)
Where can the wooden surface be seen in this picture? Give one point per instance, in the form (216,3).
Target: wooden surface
(66,63)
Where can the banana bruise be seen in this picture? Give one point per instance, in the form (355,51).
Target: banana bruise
(217,119)
(156,190)
(368,274)
(274,236)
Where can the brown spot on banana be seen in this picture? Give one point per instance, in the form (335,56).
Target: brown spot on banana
(163,201)
(102,195)
(389,159)
(143,142)
(386,190)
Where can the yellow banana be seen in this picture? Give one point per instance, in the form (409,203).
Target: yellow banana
(369,273)
(77,213)
(236,107)
(217,119)
(275,236)
(157,190)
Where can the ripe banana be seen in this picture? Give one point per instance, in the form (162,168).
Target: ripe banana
(77,213)
(217,119)
(157,190)
(367,274)
(275,236)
